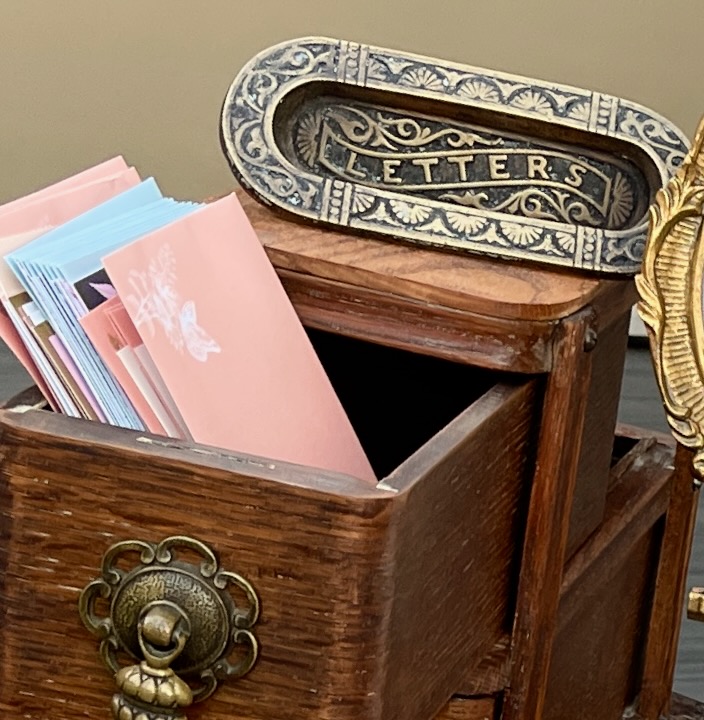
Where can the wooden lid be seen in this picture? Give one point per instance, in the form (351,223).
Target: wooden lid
(478,285)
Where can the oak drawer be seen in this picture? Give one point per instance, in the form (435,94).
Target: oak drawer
(375,600)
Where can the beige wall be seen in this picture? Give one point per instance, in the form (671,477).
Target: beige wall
(81,80)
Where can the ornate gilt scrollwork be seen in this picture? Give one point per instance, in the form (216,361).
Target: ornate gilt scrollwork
(670,287)
(174,618)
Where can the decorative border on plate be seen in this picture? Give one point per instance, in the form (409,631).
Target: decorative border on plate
(247,133)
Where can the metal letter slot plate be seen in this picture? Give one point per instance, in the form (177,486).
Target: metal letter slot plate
(432,152)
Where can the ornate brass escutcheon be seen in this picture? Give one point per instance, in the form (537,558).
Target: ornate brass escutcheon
(185,625)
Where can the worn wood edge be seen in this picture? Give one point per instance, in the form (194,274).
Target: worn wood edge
(684,708)
(634,504)
(624,464)
(417,326)
(38,427)
(635,432)
(492,673)
(470,708)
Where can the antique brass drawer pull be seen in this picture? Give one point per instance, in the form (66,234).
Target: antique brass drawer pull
(175,618)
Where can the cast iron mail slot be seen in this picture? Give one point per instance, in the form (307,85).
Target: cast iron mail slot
(432,152)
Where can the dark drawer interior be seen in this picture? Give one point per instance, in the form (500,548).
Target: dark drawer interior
(397,400)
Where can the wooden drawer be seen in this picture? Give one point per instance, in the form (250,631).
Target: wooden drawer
(376,601)
(606,606)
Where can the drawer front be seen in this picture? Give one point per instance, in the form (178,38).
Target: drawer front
(350,578)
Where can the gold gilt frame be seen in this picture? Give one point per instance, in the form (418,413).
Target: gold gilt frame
(670,287)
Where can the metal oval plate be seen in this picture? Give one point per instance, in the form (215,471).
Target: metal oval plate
(443,154)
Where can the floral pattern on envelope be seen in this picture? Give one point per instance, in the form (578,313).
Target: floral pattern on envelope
(155,301)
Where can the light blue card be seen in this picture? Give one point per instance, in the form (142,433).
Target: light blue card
(50,266)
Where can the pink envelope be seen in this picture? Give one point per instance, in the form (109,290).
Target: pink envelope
(105,169)
(109,339)
(29,217)
(229,345)
(57,208)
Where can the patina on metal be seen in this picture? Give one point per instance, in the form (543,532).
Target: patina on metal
(180,621)
(432,152)
(695,604)
(449,161)
(671,292)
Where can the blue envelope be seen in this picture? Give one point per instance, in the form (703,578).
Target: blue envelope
(52,267)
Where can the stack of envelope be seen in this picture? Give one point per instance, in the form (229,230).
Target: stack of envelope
(157,315)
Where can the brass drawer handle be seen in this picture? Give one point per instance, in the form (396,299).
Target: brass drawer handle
(174,618)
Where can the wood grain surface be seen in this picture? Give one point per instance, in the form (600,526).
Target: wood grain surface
(605,604)
(480,285)
(607,360)
(544,549)
(478,393)
(460,554)
(479,708)
(354,604)
(421,327)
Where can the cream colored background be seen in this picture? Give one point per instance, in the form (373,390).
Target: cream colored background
(82,80)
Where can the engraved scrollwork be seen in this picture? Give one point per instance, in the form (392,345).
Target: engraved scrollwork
(342,162)
(246,105)
(478,87)
(533,203)
(399,132)
(464,228)
(357,141)
(650,129)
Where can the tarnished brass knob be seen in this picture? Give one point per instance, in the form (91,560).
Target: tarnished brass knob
(695,604)
(174,618)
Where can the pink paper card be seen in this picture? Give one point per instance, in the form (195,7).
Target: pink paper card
(23,220)
(59,207)
(109,340)
(97,172)
(141,367)
(229,345)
